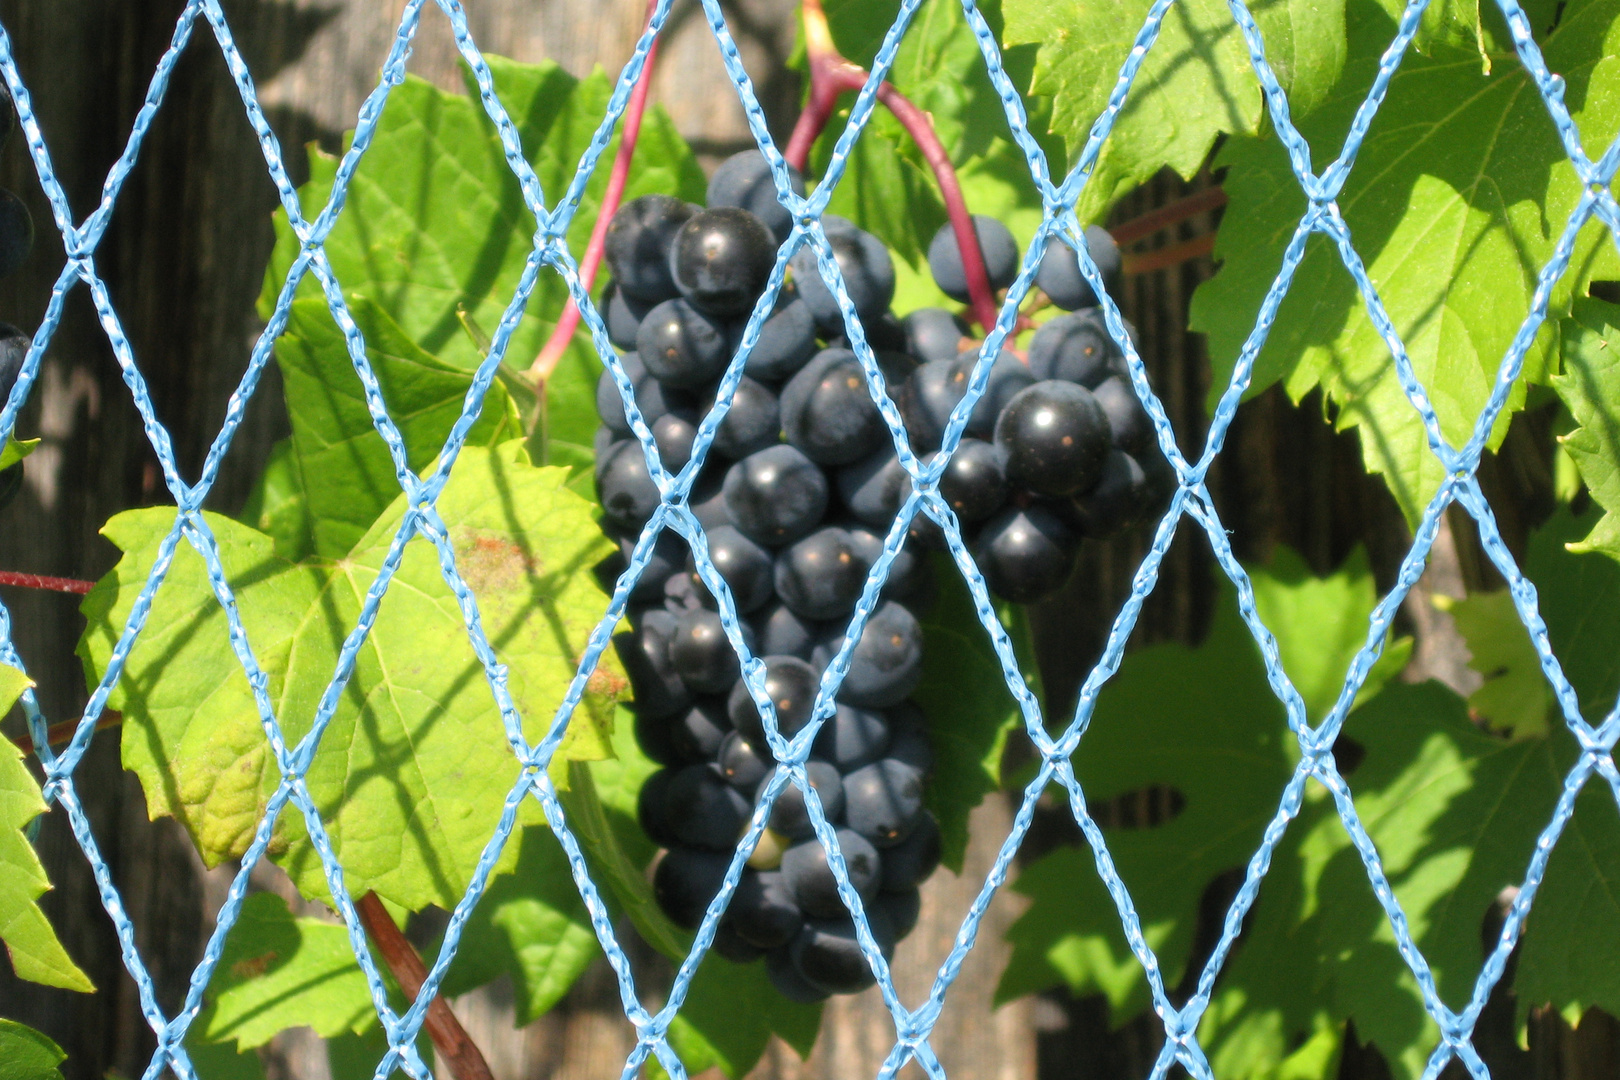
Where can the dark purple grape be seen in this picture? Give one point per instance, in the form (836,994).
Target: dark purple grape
(867,270)
(776,496)
(908,740)
(698,734)
(655,687)
(651,806)
(1059,275)
(702,655)
(787,339)
(674,433)
(1025,553)
(873,488)
(742,763)
(721,259)
(742,564)
(820,577)
(744,179)
(753,423)
(638,242)
(851,738)
(787,981)
(1075,348)
(610,403)
(1008,377)
(908,863)
(680,594)
(704,811)
(733,946)
(883,333)
(883,801)
(782,633)
(887,661)
(996,243)
(686,881)
(974,483)
(668,557)
(791,685)
(1117,501)
(763,911)
(910,577)
(1128,421)
(623,316)
(681,346)
(934,334)
(16,233)
(1055,437)
(808,876)
(708,499)
(828,956)
(789,814)
(899,909)
(828,413)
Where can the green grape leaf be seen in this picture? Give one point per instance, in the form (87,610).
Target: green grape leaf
(414,767)
(26,1054)
(347,473)
(219,1061)
(1195,84)
(36,954)
(1590,386)
(278,507)
(729,1016)
(1436,211)
(969,709)
(280,971)
(15,450)
(530,924)
(1514,696)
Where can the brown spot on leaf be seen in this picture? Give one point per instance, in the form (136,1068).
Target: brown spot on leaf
(491,563)
(253,966)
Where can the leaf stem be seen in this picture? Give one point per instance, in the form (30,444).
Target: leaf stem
(59,734)
(1146,262)
(49,584)
(549,356)
(831,75)
(455,1046)
(1163,217)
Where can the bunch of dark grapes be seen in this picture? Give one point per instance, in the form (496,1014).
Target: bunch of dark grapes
(16,241)
(797,492)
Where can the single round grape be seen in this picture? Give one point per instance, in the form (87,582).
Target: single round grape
(686,881)
(996,243)
(1055,437)
(707,499)
(789,814)
(927,400)
(603,441)
(901,909)
(680,595)
(790,684)
(742,763)
(610,403)
(883,801)
(656,688)
(651,807)
(625,487)
(909,577)
(733,946)
(908,863)
(16,233)
(1128,421)
(753,423)
(1025,553)
(787,339)
(974,483)
(873,488)
(1075,348)
(674,434)
(668,557)
(820,577)
(887,662)
(1117,501)
(704,811)
(883,332)
(776,496)
(697,734)
(934,334)
(828,956)
(808,876)
(1059,275)
(681,346)
(763,911)
(743,565)
(868,275)
(787,981)
(828,413)
(623,316)
(1008,377)
(702,654)
(637,246)
(721,259)
(782,633)
(744,179)
(851,738)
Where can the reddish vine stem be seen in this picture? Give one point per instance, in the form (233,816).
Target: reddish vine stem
(549,356)
(1174,213)
(455,1046)
(1146,262)
(58,734)
(832,75)
(49,584)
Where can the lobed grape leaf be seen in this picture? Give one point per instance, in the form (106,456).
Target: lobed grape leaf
(1514,696)
(15,450)
(26,1054)
(1453,227)
(412,771)
(730,1013)
(36,954)
(1195,84)
(1590,387)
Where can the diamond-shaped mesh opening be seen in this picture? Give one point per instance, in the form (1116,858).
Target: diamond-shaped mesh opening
(545,206)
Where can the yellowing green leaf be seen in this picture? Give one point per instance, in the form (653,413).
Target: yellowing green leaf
(15,450)
(36,954)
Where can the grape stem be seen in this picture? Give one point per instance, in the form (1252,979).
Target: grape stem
(454,1045)
(60,734)
(1173,213)
(549,356)
(49,584)
(831,75)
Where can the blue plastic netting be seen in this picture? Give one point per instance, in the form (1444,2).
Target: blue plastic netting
(913,1024)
